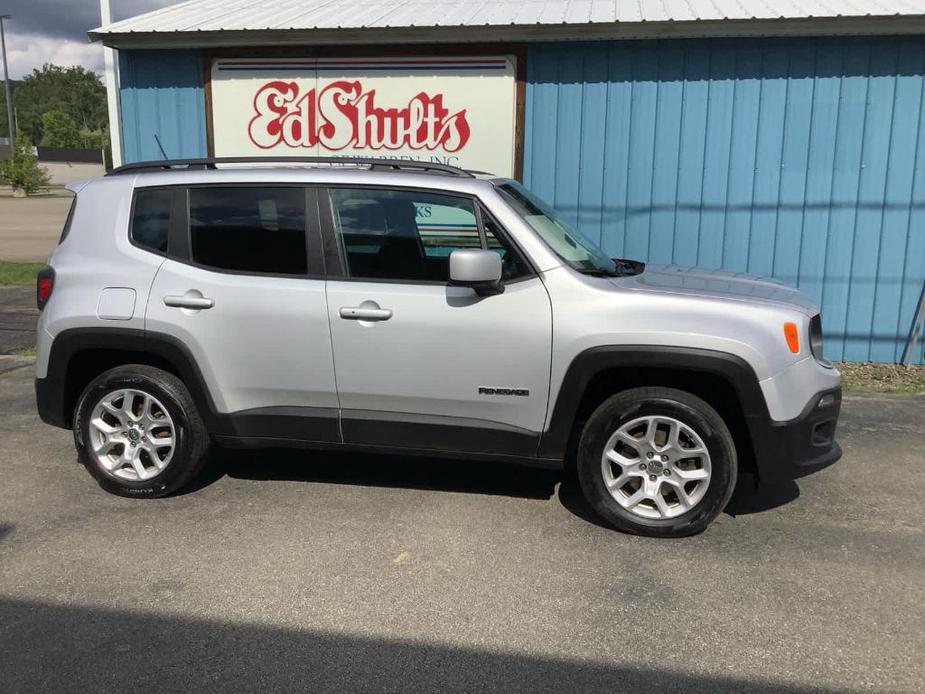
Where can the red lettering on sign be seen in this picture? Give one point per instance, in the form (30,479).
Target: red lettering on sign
(342,115)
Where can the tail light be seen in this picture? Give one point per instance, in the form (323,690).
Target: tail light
(44,286)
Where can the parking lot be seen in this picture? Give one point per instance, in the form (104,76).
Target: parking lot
(309,571)
(30,227)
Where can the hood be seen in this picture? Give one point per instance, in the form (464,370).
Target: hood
(732,286)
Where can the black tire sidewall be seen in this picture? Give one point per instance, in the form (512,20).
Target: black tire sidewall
(176,472)
(620,409)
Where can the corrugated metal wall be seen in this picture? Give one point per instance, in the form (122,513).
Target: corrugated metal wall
(162,93)
(797,159)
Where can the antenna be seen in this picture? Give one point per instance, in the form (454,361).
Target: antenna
(161,147)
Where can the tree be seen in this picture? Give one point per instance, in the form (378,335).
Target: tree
(94,139)
(22,170)
(75,91)
(59,130)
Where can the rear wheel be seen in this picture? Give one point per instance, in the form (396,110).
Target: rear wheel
(657,461)
(138,433)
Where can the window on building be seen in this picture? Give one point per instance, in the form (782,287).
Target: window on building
(403,235)
(249,229)
(151,219)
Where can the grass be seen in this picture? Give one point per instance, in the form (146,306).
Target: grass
(25,352)
(18,274)
(882,378)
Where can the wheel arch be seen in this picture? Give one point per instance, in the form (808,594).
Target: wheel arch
(725,381)
(79,355)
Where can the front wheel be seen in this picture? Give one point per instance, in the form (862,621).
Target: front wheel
(138,432)
(657,461)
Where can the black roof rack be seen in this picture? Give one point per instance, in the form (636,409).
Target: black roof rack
(213,162)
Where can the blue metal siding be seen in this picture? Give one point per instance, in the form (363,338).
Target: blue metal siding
(793,158)
(162,93)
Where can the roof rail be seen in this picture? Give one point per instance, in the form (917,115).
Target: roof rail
(213,162)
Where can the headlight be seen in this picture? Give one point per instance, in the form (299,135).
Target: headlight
(815,340)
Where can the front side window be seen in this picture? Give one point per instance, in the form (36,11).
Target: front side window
(151,219)
(568,243)
(249,229)
(407,235)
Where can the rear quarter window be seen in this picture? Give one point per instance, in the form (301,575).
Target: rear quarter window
(67,222)
(151,219)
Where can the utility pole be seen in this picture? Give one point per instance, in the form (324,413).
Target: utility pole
(112,90)
(9,92)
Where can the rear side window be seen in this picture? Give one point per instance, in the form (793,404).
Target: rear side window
(151,219)
(249,229)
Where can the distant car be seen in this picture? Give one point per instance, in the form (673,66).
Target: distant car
(415,308)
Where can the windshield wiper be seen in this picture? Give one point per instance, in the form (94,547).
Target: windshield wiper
(622,268)
(628,268)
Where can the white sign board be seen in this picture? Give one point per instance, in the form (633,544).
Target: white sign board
(457,111)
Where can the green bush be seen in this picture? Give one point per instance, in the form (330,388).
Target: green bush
(22,170)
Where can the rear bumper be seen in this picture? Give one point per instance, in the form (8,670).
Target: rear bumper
(802,446)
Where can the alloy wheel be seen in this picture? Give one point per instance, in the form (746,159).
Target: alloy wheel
(132,436)
(656,467)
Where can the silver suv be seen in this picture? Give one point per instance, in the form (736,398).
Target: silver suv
(404,307)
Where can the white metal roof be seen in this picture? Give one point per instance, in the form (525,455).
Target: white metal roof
(503,17)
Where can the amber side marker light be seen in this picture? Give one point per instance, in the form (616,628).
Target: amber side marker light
(792,336)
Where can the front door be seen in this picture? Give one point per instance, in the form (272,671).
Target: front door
(419,363)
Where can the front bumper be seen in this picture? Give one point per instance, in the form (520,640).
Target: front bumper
(802,446)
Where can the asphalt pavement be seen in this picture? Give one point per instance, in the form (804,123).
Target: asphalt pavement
(300,571)
(18,318)
(30,227)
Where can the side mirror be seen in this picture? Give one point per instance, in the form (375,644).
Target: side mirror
(478,269)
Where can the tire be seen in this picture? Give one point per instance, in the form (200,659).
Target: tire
(617,425)
(171,416)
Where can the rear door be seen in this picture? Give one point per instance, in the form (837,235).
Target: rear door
(242,290)
(436,366)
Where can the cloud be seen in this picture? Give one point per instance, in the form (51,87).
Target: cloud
(70,18)
(27,52)
(55,31)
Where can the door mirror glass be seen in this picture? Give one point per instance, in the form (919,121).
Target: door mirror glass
(476,268)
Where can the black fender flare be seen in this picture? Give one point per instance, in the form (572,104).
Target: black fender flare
(51,392)
(591,362)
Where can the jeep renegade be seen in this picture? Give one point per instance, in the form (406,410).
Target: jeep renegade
(403,307)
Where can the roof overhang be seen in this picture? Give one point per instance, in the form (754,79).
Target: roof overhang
(753,28)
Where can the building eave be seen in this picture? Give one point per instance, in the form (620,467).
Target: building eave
(821,26)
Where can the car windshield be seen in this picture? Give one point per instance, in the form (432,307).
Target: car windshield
(567,242)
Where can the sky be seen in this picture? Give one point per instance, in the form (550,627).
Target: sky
(55,31)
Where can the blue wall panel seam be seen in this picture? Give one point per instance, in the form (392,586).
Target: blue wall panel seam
(751,213)
(677,176)
(905,274)
(886,187)
(809,160)
(703,164)
(828,224)
(857,195)
(607,97)
(782,163)
(658,105)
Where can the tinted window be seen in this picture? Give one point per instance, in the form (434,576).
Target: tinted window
(151,219)
(67,223)
(512,265)
(402,235)
(249,229)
